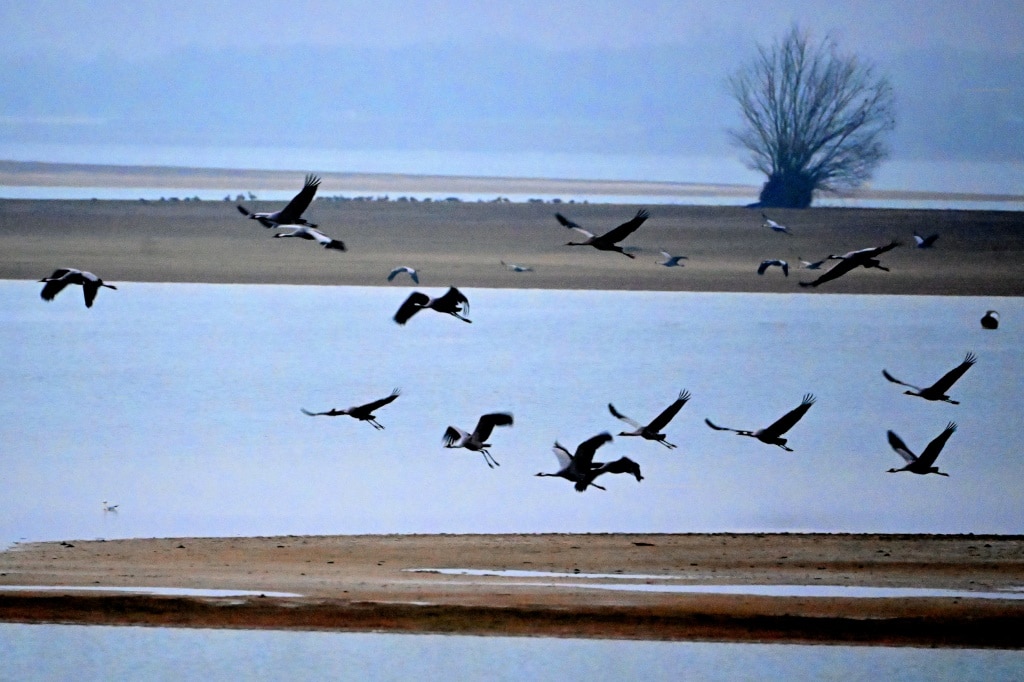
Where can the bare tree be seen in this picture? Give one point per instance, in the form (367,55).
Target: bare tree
(814,118)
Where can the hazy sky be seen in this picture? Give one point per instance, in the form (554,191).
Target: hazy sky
(80,28)
(583,77)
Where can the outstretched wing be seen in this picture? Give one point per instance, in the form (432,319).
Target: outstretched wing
(325,241)
(951,377)
(935,447)
(716,427)
(89,290)
(565,221)
(623,465)
(370,407)
(58,280)
(897,444)
(454,299)
(618,415)
(416,300)
(563,455)
(897,381)
(836,271)
(295,208)
(453,434)
(488,422)
(786,421)
(627,228)
(669,413)
(585,451)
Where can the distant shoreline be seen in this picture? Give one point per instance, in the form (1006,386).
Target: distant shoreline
(40,174)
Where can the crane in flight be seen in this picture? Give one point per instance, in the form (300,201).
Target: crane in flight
(925,462)
(61,277)
(291,214)
(609,240)
(581,469)
(652,431)
(937,391)
(360,412)
(454,437)
(772,435)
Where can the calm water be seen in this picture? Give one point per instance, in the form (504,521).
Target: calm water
(63,652)
(181,403)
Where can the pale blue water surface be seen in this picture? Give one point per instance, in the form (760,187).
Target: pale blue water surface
(64,652)
(181,403)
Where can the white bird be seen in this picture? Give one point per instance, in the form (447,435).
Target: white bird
(937,391)
(360,412)
(452,302)
(61,277)
(110,507)
(312,234)
(925,242)
(290,214)
(765,264)
(516,268)
(607,241)
(990,320)
(812,265)
(404,268)
(925,463)
(671,261)
(772,435)
(774,226)
(454,437)
(652,431)
(581,468)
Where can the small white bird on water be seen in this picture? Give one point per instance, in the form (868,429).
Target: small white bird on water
(406,269)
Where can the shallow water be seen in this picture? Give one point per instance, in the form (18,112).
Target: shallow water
(61,652)
(181,403)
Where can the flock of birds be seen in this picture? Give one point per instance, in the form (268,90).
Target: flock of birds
(579,466)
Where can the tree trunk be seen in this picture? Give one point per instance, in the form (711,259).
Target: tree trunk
(794,190)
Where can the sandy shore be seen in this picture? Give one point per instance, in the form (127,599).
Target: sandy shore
(362,583)
(461,244)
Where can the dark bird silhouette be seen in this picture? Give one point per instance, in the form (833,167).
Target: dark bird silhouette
(925,242)
(609,240)
(406,269)
(990,320)
(937,391)
(862,258)
(361,412)
(290,214)
(61,277)
(765,264)
(452,302)
(925,463)
(653,430)
(581,468)
(772,435)
(774,226)
(454,437)
(312,234)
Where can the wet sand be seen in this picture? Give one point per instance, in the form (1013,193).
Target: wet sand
(361,583)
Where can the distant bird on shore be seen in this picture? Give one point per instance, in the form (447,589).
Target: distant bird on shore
(925,242)
(110,507)
(774,226)
(454,437)
(652,431)
(990,320)
(772,435)
(671,261)
(607,241)
(581,468)
(360,412)
(516,268)
(452,302)
(406,269)
(290,214)
(937,391)
(812,265)
(925,463)
(862,258)
(61,277)
(765,264)
(312,234)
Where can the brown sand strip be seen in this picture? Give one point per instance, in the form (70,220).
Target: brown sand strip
(360,583)
(979,253)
